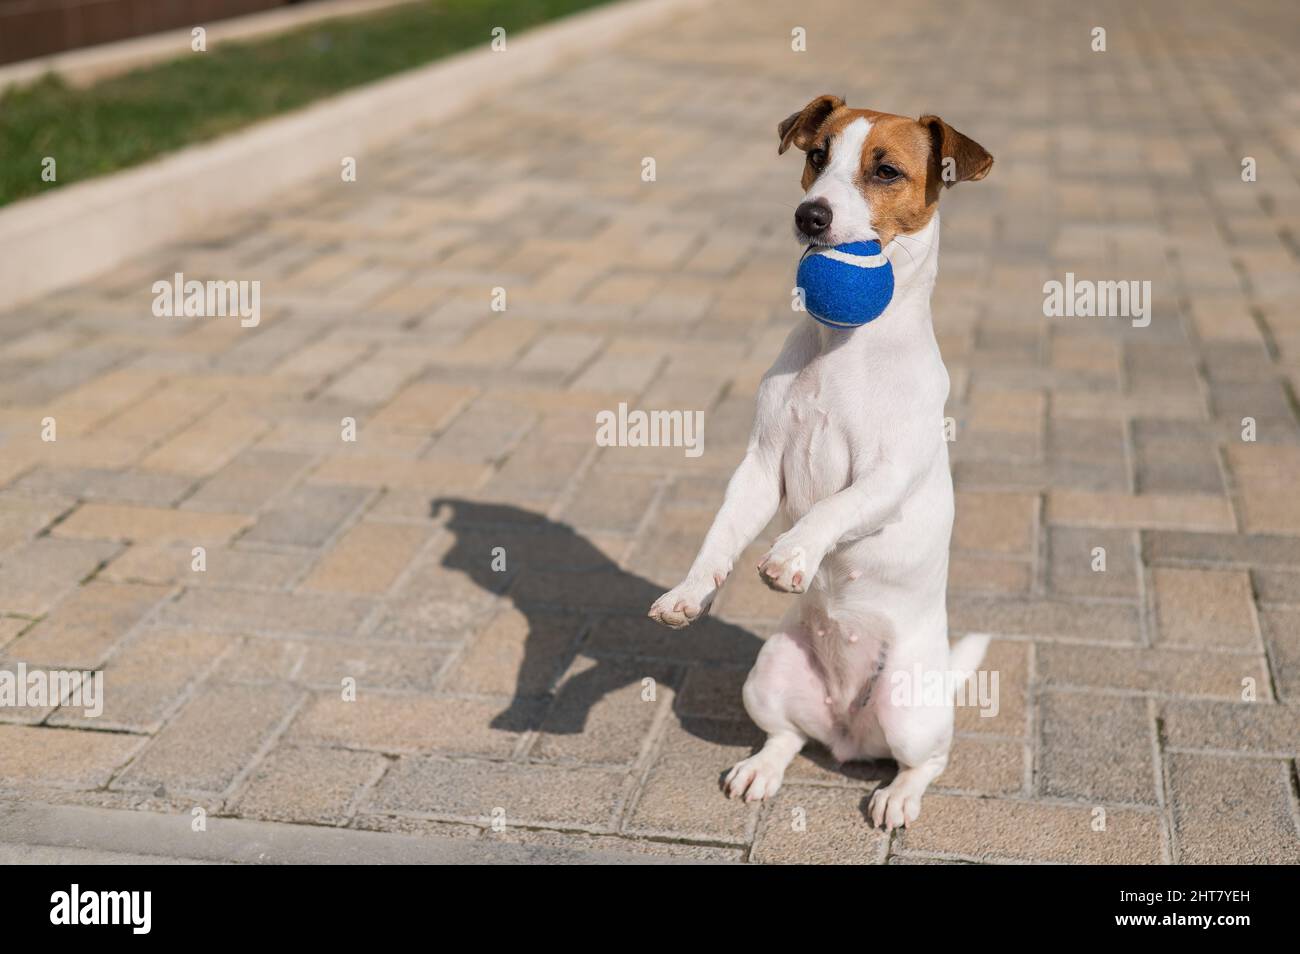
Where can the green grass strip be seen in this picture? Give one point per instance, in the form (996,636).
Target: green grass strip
(128,119)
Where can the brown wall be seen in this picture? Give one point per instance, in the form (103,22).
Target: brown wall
(31,28)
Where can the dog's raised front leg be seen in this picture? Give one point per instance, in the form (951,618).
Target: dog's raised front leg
(861,508)
(753,494)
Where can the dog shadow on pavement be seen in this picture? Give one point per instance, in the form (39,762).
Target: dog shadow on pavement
(579,603)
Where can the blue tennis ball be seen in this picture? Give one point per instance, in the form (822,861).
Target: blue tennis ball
(846,285)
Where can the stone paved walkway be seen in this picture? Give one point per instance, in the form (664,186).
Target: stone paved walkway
(521,696)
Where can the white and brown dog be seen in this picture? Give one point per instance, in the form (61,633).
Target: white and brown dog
(848,437)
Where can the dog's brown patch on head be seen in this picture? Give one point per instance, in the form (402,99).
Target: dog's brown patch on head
(905,163)
(895,171)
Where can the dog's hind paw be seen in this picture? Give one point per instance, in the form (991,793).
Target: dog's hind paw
(894,806)
(754,779)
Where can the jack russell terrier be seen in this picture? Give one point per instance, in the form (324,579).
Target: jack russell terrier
(848,439)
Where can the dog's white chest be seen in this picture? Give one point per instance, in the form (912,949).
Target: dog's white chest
(816,461)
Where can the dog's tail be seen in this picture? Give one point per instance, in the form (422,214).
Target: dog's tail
(965,656)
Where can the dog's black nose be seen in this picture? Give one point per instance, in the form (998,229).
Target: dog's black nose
(813,218)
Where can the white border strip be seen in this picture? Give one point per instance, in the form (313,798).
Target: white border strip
(83,230)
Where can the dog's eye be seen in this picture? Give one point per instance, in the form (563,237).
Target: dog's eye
(817,158)
(887,173)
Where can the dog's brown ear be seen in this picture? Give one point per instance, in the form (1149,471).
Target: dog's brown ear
(798,129)
(958,158)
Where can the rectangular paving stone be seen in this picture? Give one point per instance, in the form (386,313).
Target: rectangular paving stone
(58,687)
(368,559)
(1002,829)
(1075,568)
(668,545)
(434,477)
(477,792)
(248,482)
(1276,586)
(73,368)
(807,824)
(1200,512)
(223,566)
(314,786)
(84,628)
(1265,477)
(712,692)
(11,626)
(559,354)
(1222,549)
(214,738)
(1261,728)
(321,664)
(517,654)
(375,379)
(1232,810)
(494,343)
(1096,748)
(604,711)
(146,678)
(611,502)
(1177,467)
(115,486)
(246,611)
(103,521)
(682,796)
(979,573)
(1045,619)
(387,722)
(995,522)
(205,446)
(1007,412)
(1010,661)
(1209,609)
(538,470)
(450,592)
(984,765)
(159,415)
(486,431)
(45,756)
(1282,635)
(307,517)
(320,360)
(1160,671)
(35,576)
(423,407)
(1085,440)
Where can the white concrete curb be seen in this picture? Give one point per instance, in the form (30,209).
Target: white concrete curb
(82,230)
(75,834)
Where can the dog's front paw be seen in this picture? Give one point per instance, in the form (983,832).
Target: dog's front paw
(684,603)
(787,568)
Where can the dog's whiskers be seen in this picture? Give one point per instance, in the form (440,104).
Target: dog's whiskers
(911,238)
